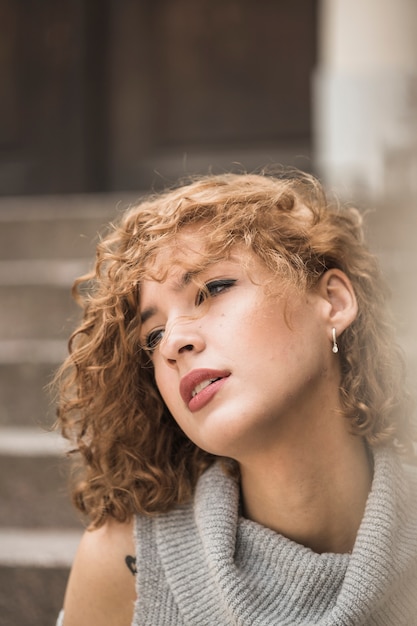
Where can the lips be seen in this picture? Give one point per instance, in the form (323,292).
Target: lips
(198,381)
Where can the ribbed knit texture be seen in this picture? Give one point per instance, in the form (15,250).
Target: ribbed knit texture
(203,564)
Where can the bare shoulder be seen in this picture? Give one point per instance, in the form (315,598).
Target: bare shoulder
(101,587)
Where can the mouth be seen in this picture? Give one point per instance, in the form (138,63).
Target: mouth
(202,386)
(197,380)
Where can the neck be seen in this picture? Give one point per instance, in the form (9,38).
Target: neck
(312,493)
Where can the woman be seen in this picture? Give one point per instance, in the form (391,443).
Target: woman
(236,402)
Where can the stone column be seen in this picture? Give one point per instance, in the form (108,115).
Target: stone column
(365,97)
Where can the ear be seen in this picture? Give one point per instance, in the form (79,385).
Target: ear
(342,308)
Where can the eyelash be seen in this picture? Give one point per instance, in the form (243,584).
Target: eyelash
(211,289)
(152,339)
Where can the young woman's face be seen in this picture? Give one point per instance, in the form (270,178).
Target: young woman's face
(242,368)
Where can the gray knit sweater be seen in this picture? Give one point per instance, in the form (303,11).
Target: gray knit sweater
(203,564)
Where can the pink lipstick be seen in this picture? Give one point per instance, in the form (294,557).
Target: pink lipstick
(199,386)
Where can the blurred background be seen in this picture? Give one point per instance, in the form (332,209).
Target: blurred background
(102,100)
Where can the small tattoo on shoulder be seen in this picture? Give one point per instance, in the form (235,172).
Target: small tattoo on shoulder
(131,563)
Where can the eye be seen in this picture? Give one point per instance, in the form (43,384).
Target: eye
(153,338)
(214,288)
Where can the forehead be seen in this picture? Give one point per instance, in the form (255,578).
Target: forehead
(189,243)
(188,253)
(187,258)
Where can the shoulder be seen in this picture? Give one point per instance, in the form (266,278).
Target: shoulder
(101,589)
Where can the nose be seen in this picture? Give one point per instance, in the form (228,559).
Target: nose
(181,337)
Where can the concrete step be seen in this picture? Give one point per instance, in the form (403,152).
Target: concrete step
(24,396)
(31,596)
(44,244)
(41,312)
(34,490)
(55,226)
(34,569)
(52,272)
(18,441)
(39,529)
(47,547)
(32,351)
(68,238)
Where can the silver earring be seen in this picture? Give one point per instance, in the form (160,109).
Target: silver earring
(335,347)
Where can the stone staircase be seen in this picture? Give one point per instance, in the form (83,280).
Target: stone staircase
(44,244)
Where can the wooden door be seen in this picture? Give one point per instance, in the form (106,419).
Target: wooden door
(103,95)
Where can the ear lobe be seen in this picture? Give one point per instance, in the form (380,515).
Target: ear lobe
(336,288)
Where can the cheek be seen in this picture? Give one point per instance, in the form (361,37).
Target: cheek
(163,382)
(268,329)
(167,383)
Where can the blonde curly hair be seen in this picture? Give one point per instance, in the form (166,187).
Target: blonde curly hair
(133,456)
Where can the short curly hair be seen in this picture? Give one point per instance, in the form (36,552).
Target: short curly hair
(133,456)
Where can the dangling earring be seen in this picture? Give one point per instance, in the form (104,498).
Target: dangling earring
(335,347)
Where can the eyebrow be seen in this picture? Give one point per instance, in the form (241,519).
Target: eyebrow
(147,314)
(185,280)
